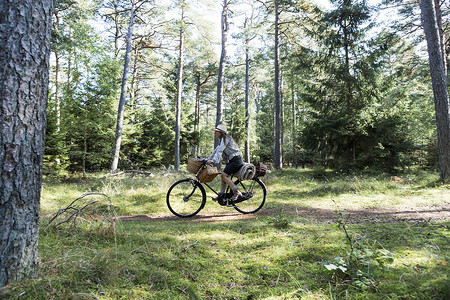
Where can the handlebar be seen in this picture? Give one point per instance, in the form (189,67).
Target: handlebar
(204,161)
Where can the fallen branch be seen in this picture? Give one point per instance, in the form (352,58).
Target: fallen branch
(145,173)
(75,211)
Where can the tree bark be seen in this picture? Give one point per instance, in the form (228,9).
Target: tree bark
(25,27)
(123,92)
(247,100)
(441,32)
(85,137)
(198,89)
(221,71)
(57,100)
(439,84)
(179,94)
(294,124)
(57,69)
(134,85)
(116,30)
(247,25)
(344,25)
(277,161)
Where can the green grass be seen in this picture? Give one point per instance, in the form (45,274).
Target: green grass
(279,253)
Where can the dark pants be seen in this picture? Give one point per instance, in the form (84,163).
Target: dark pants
(233,165)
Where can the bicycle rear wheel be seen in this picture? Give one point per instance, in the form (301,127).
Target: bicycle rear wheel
(253,196)
(186,198)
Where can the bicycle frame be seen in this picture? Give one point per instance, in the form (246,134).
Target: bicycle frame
(220,173)
(228,192)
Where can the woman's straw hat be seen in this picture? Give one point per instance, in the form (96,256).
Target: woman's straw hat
(221,128)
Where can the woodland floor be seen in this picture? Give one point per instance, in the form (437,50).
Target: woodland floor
(435,212)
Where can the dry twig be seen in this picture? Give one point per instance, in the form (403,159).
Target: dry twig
(76,211)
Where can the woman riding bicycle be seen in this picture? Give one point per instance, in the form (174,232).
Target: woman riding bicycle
(229,150)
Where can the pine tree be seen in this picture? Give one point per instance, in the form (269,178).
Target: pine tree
(430,14)
(24,76)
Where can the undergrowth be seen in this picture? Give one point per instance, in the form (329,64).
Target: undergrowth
(284,252)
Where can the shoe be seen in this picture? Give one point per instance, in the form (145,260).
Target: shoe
(218,197)
(236,195)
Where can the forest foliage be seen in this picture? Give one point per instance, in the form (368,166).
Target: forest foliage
(355,85)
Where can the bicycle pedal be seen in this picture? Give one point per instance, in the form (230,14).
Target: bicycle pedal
(230,205)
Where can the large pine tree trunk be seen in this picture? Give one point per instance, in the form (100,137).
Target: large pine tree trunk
(439,83)
(24,54)
(277,161)
(123,92)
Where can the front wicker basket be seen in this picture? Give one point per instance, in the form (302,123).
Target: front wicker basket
(208,174)
(194,165)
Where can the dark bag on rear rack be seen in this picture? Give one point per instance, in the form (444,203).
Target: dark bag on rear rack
(260,169)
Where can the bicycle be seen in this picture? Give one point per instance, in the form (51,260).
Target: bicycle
(187,197)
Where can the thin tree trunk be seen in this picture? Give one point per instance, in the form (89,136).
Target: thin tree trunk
(123,92)
(134,86)
(179,94)
(83,158)
(277,161)
(24,75)
(57,101)
(247,23)
(117,29)
(221,72)
(198,88)
(69,62)
(439,83)
(344,26)
(247,100)
(294,125)
(282,110)
(57,69)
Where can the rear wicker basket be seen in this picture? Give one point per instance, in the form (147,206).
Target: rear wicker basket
(208,174)
(193,165)
(261,169)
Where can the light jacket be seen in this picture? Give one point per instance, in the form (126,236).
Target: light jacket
(226,149)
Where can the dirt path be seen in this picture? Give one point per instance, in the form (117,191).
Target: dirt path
(437,212)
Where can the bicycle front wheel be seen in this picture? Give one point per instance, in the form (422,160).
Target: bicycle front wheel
(186,198)
(253,196)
